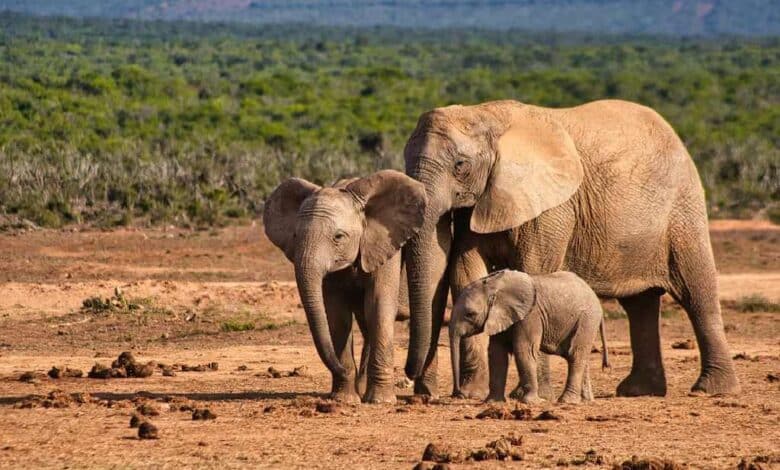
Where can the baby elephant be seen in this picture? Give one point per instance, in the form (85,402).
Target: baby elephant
(554,313)
(345,242)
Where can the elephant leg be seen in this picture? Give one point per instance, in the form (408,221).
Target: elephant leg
(694,285)
(526,359)
(468,265)
(587,390)
(339,314)
(542,379)
(577,362)
(498,354)
(381,306)
(647,370)
(365,353)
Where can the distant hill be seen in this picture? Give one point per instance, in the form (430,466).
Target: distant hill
(668,17)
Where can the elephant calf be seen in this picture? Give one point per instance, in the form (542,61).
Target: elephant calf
(345,244)
(556,313)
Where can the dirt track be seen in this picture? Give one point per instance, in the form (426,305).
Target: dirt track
(187,287)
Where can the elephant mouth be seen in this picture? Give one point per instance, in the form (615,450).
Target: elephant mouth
(464,199)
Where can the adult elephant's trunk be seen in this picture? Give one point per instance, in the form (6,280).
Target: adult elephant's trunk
(455,356)
(309,279)
(426,266)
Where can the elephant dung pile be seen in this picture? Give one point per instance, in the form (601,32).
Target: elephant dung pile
(124,366)
(648,464)
(495,412)
(504,448)
(55,399)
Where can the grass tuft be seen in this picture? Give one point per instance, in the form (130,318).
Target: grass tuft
(756,303)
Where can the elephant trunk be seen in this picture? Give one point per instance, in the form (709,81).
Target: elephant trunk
(455,357)
(426,265)
(604,353)
(309,279)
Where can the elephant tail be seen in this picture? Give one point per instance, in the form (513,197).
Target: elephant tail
(604,353)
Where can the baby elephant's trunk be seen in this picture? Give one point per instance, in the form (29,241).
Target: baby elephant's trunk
(604,352)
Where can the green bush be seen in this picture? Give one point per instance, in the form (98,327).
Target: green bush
(110,123)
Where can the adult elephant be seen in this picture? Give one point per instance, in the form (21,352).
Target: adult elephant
(606,190)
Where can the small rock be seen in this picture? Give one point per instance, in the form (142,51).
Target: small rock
(99,371)
(242,368)
(147,430)
(417,399)
(30,377)
(648,464)
(743,356)
(135,421)
(686,344)
(140,370)
(125,358)
(327,407)
(148,408)
(547,415)
(168,372)
(772,378)
(438,454)
(60,372)
(203,414)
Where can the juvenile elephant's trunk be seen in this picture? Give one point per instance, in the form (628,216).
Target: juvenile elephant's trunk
(309,280)
(455,356)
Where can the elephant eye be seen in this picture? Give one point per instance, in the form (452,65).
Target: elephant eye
(462,167)
(339,237)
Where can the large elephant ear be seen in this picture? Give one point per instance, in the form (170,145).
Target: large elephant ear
(281,212)
(511,296)
(537,168)
(394,206)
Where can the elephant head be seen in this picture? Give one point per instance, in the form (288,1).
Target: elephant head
(360,222)
(507,161)
(490,305)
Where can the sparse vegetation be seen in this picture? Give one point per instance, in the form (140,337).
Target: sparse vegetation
(129,122)
(235,325)
(118,303)
(756,303)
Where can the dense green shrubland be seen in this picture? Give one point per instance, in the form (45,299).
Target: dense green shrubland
(116,122)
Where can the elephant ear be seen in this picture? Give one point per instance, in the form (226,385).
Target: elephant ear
(394,206)
(537,168)
(511,295)
(281,212)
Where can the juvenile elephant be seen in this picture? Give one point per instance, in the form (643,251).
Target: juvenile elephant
(345,244)
(606,190)
(554,313)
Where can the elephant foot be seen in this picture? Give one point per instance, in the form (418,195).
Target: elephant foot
(643,383)
(380,394)
(532,398)
(475,386)
(349,397)
(495,399)
(517,393)
(717,383)
(426,386)
(570,397)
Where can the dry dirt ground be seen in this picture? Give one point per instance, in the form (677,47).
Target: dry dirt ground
(181,296)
